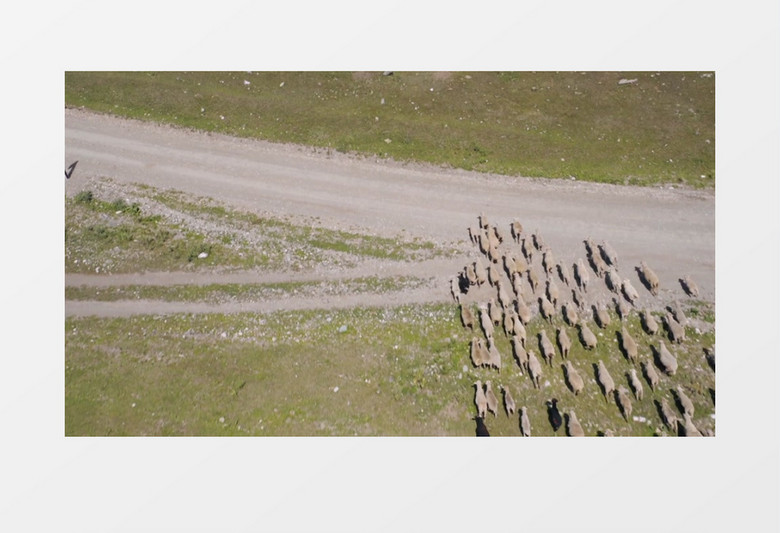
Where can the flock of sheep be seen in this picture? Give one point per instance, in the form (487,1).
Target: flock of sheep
(515,277)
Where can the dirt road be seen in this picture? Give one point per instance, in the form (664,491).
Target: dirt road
(673,230)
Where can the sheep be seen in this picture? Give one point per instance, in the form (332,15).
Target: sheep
(628,345)
(590,246)
(509,402)
(553,415)
(473,234)
(480,400)
(517,284)
(533,280)
(494,356)
(668,417)
(493,254)
(570,314)
(548,261)
(564,342)
(477,352)
(471,275)
(534,368)
(546,308)
(538,241)
(518,329)
(648,322)
(685,403)
(509,322)
(485,321)
(630,292)
(523,311)
(525,422)
(527,250)
(675,329)
(689,429)
(650,374)
(493,275)
(605,380)
(621,308)
(598,264)
(608,253)
(493,242)
(518,350)
(563,273)
(587,338)
(483,221)
(455,290)
(612,280)
(490,397)
(601,315)
(636,384)
(481,273)
(552,292)
(510,266)
(678,314)
(498,234)
(503,296)
(467,317)
(516,229)
(494,311)
(689,286)
(573,378)
(581,274)
(609,433)
(649,278)
(483,356)
(578,299)
(623,401)
(666,360)
(709,355)
(546,347)
(521,265)
(482,242)
(573,428)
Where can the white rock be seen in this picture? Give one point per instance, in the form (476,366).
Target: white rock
(342,329)
(203,255)
(335,389)
(221,419)
(388,141)
(625,81)
(247,82)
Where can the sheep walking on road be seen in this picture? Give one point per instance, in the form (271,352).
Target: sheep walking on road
(648,278)
(689,286)
(563,273)
(621,308)
(553,292)
(612,280)
(494,312)
(481,272)
(570,314)
(523,311)
(516,229)
(678,314)
(608,254)
(548,261)
(546,308)
(601,315)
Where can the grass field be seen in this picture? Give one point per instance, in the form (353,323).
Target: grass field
(394,371)
(659,129)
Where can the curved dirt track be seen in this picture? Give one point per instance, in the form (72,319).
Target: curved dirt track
(673,230)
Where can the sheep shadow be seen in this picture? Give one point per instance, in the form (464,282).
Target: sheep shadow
(481,429)
(712,395)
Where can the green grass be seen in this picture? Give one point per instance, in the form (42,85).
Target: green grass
(222,292)
(584,124)
(399,371)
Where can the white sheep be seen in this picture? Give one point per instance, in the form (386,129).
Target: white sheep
(598,264)
(602,315)
(590,246)
(546,308)
(546,347)
(548,261)
(509,402)
(650,278)
(510,265)
(523,311)
(516,230)
(455,290)
(480,400)
(666,360)
(621,308)
(518,349)
(518,329)
(525,422)
(668,417)
(476,352)
(538,241)
(684,401)
(581,273)
(490,397)
(612,280)
(678,314)
(689,286)
(483,356)
(533,280)
(493,275)
(563,273)
(466,317)
(690,429)
(573,427)
(573,378)
(675,329)
(494,311)
(609,254)
(527,250)
(471,275)
(481,273)
(587,337)
(605,380)
(494,356)
(570,314)
(483,221)
(649,323)
(485,321)
(503,296)
(564,342)
(636,384)
(521,265)
(624,402)
(628,345)
(552,292)
(650,374)
(534,368)
(630,292)
(517,285)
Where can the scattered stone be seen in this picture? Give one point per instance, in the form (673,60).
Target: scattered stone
(203,255)
(342,329)
(221,419)
(625,81)
(335,389)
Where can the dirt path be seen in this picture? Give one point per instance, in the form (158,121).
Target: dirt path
(673,230)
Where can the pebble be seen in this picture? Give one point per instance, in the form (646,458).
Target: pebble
(203,255)
(335,389)
(342,329)
(221,419)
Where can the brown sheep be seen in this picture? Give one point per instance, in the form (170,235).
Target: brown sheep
(525,422)
(552,292)
(509,402)
(492,401)
(516,230)
(581,274)
(650,374)
(666,360)
(623,401)
(675,329)
(587,338)
(564,342)
(546,308)
(518,349)
(628,345)
(480,400)
(648,322)
(649,278)
(570,314)
(573,427)
(466,317)
(573,378)
(636,384)
(689,286)
(534,368)
(546,347)
(605,380)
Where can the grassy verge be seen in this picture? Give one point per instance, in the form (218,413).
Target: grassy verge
(116,235)
(222,292)
(393,371)
(658,129)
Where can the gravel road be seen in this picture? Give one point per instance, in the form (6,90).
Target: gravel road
(672,229)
